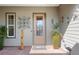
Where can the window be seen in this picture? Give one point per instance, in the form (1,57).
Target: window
(11,19)
(39,26)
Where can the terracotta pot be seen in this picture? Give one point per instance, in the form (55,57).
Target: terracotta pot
(56,46)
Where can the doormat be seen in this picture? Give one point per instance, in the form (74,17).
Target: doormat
(39,47)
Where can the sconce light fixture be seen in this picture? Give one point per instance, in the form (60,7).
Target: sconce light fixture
(62,19)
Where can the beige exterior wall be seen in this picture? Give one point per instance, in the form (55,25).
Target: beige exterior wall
(65,11)
(51,13)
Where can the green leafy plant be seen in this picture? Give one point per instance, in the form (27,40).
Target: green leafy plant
(3,31)
(56,26)
(56,37)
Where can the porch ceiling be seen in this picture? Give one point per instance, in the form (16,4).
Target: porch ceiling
(30,5)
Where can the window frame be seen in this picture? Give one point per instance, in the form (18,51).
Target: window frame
(7,24)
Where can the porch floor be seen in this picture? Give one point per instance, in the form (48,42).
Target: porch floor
(28,50)
(15,51)
(49,50)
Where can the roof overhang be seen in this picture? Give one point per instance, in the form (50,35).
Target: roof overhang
(30,5)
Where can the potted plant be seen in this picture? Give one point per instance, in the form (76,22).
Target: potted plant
(2,36)
(56,37)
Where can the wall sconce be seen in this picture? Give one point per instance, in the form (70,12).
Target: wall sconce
(52,21)
(62,19)
(68,20)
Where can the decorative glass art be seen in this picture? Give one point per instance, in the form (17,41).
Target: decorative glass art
(24,22)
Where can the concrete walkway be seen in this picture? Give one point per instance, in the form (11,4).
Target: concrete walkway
(49,50)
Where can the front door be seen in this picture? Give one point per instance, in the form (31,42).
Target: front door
(39,29)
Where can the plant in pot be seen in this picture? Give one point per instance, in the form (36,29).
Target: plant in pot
(56,36)
(2,36)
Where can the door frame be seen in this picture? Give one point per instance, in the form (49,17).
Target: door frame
(33,26)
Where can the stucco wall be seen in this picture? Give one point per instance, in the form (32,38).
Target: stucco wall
(51,13)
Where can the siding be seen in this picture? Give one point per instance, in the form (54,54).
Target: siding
(71,33)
